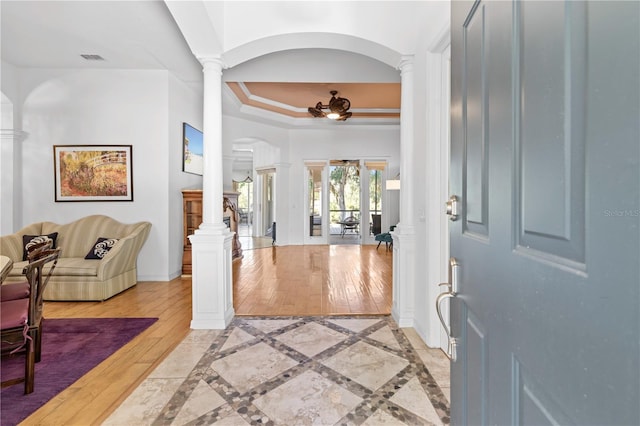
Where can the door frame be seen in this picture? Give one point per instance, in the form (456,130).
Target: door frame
(324,225)
(437,192)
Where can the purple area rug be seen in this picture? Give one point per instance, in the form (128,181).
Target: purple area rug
(70,348)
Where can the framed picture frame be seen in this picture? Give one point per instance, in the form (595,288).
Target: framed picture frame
(192,159)
(93,172)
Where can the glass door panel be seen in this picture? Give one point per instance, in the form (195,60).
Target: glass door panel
(315,201)
(344,202)
(375,201)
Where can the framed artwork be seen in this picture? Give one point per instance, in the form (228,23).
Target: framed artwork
(191,150)
(93,172)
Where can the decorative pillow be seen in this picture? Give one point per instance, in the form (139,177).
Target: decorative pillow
(101,248)
(29,240)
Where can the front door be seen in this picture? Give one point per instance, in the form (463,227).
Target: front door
(544,158)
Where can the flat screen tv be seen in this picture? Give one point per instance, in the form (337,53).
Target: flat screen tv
(192,149)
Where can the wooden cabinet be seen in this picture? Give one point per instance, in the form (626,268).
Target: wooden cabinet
(192,218)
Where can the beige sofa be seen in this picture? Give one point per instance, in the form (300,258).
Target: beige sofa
(77,278)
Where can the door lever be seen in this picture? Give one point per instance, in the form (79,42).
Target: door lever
(452,291)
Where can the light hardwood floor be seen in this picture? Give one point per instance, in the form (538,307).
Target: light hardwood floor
(313,280)
(92,398)
(291,280)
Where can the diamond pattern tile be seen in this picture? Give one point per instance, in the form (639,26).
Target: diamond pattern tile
(252,366)
(356,325)
(270,325)
(367,365)
(414,398)
(237,337)
(307,399)
(202,400)
(294,371)
(311,339)
(386,337)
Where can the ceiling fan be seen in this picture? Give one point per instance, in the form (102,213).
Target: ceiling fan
(338,108)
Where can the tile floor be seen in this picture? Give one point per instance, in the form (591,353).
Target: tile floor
(295,371)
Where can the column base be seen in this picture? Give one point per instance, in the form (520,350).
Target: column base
(213,324)
(402,321)
(403,306)
(211,280)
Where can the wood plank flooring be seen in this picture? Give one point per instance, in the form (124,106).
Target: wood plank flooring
(92,398)
(313,280)
(291,280)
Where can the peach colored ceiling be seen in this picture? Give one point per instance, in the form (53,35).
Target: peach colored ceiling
(368,100)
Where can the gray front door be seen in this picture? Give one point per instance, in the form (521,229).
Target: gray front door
(545,159)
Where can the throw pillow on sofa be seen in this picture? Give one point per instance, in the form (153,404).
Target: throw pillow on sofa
(29,240)
(101,248)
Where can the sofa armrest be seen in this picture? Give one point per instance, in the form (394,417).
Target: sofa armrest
(11,245)
(124,255)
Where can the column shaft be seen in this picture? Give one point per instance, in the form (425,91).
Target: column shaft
(212,143)
(406,144)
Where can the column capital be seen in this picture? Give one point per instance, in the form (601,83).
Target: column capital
(13,135)
(212,63)
(405,64)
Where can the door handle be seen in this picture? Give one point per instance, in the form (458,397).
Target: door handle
(452,291)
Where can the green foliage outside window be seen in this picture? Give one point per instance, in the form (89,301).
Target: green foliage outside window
(344,186)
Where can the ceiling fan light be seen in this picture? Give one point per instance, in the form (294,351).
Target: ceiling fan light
(343,117)
(316,112)
(338,108)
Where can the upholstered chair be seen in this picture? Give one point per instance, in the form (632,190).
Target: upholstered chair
(21,318)
(21,289)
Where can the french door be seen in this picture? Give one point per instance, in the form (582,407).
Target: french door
(330,197)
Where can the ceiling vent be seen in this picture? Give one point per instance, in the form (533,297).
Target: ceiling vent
(90,57)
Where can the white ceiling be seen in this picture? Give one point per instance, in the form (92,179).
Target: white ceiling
(144,35)
(127,34)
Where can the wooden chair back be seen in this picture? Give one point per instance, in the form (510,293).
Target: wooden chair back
(21,319)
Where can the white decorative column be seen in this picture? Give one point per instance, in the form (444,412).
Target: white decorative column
(212,298)
(404,234)
(10,179)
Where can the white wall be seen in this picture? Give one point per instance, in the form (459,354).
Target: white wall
(129,107)
(422,306)
(313,65)
(185,105)
(146,109)
(334,144)
(430,165)
(367,21)
(287,151)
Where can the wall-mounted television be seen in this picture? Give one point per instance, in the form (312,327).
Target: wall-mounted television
(192,161)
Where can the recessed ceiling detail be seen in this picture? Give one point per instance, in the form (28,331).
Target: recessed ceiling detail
(369,100)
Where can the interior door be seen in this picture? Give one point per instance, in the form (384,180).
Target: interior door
(544,158)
